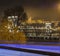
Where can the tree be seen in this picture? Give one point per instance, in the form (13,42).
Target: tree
(14,36)
(16,11)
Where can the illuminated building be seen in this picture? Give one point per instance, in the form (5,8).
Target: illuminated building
(40,30)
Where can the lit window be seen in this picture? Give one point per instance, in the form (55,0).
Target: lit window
(16,16)
(12,16)
(17,31)
(10,30)
(9,17)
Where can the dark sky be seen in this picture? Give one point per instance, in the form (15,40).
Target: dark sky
(34,8)
(26,2)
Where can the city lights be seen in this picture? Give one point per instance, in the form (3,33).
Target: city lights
(30,27)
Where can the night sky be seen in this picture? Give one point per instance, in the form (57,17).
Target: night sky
(33,8)
(26,2)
